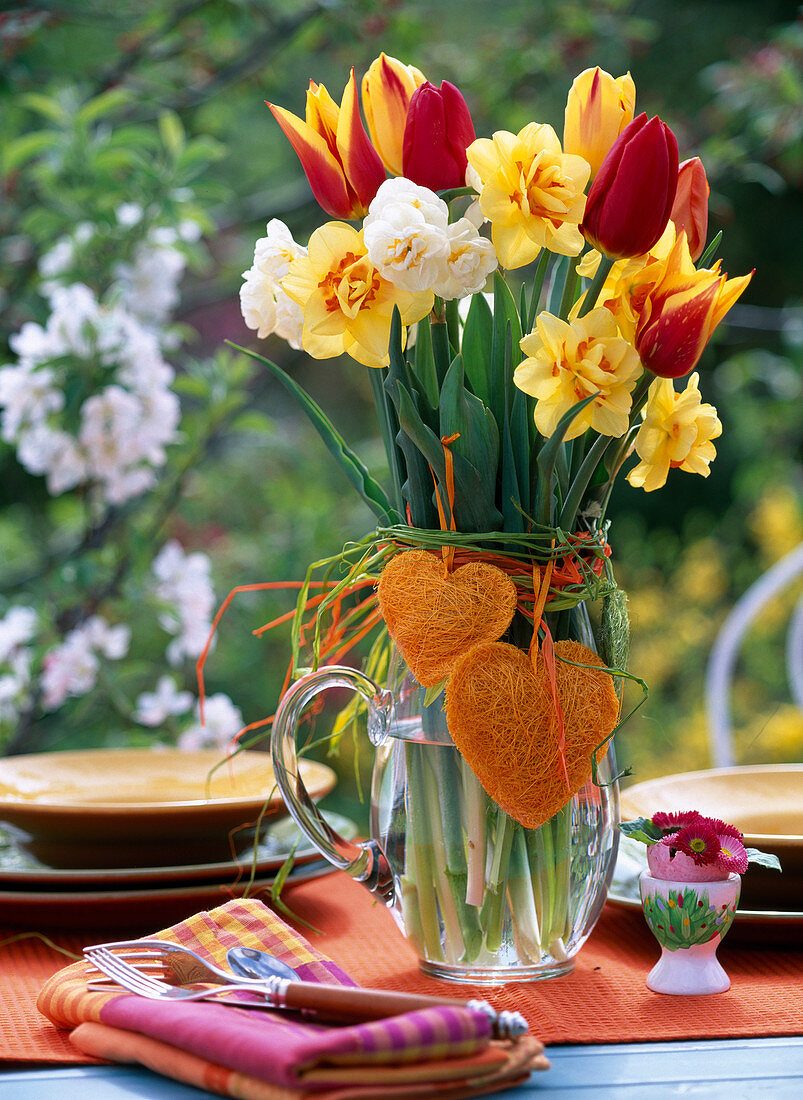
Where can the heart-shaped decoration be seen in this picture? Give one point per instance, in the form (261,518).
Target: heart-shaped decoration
(502,719)
(434,616)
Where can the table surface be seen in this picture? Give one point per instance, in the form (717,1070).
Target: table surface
(731,1069)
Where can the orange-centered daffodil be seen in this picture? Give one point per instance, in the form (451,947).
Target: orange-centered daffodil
(346,304)
(532,193)
(677,431)
(568,362)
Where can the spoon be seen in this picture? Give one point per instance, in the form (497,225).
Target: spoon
(250,963)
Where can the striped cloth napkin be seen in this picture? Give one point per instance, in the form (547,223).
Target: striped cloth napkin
(264,1055)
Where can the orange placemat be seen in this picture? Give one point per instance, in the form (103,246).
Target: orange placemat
(605,1000)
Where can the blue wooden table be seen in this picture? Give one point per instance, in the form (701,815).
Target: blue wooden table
(737,1069)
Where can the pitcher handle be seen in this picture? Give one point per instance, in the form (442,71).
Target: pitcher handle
(364,861)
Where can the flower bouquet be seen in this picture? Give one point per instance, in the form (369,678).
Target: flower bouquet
(689,893)
(522,306)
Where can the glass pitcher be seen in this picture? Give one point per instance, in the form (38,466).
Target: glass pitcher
(481,898)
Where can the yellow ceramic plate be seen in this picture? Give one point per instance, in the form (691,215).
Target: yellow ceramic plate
(764,801)
(141,807)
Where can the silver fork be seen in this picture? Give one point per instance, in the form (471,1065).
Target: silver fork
(148,985)
(172,961)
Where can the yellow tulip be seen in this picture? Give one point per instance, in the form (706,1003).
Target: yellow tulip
(386,91)
(597,110)
(346,304)
(531,192)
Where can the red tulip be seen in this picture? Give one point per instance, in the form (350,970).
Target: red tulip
(438,132)
(631,199)
(690,209)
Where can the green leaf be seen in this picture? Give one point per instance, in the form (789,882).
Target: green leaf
(509,486)
(763,859)
(547,459)
(641,829)
(559,273)
(104,104)
(424,375)
(172,132)
(352,466)
(418,485)
(252,421)
(476,347)
(45,105)
(505,348)
(461,412)
(25,148)
(474,511)
(710,252)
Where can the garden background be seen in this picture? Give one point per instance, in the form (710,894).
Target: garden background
(138,158)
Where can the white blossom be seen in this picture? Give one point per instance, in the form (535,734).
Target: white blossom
(17,627)
(155,707)
(71,669)
(185,589)
(405,233)
(470,260)
(222,721)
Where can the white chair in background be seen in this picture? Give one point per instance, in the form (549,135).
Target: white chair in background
(725,650)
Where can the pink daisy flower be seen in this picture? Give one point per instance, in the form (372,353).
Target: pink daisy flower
(671,822)
(697,840)
(721,828)
(732,855)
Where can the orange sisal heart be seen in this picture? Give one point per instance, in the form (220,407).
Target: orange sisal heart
(502,719)
(434,616)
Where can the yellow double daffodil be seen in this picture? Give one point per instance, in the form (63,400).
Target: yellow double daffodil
(531,192)
(346,304)
(567,362)
(677,431)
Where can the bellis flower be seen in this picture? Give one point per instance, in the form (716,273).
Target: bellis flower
(532,193)
(568,362)
(732,854)
(387,88)
(696,840)
(340,163)
(678,430)
(690,208)
(630,200)
(346,303)
(598,108)
(437,133)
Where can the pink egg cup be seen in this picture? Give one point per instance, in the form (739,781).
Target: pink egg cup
(688,914)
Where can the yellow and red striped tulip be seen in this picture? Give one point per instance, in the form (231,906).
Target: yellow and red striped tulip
(680,310)
(387,88)
(690,208)
(340,163)
(598,108)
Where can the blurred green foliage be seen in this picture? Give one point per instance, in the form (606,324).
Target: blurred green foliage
(182,89)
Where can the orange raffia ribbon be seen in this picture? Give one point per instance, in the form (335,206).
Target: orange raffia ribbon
(338,640)
(548,651)
(447,551)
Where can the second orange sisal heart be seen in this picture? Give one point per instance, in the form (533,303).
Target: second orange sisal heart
(434,615)
(503,720)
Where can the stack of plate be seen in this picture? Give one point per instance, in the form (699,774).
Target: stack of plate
(140,838)
(765,802)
